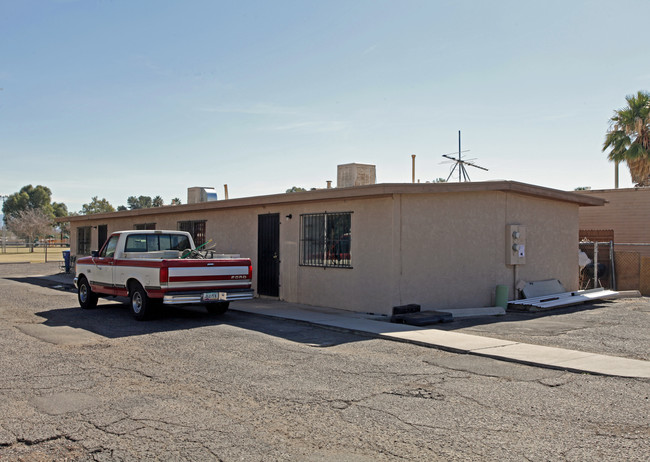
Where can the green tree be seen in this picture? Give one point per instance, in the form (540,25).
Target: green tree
(36,198)
(629,137)
(176,201)
(158,201)
(97,206)
(439,180)
(295,189)
(140,202)
(121,208)
(60,209)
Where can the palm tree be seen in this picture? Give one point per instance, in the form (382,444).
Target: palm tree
(629,137)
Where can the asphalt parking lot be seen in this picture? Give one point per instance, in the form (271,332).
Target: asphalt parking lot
(96,385)
(617,327)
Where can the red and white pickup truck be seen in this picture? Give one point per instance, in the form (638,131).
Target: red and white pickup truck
(154,267)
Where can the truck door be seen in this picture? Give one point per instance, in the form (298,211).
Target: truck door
(104,267)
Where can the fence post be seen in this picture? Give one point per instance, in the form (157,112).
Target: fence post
(595,264)
(611,259)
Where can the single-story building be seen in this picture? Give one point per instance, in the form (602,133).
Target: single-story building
(624,220)
(626,216)
(369,248)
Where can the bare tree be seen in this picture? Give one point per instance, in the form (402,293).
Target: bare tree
(30,224)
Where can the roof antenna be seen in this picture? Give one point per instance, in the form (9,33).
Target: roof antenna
(460,164)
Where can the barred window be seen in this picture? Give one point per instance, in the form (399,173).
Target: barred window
(196,229)
(325,239)
(83,240)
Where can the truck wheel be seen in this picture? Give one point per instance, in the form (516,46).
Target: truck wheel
(140,303)
(87,298)
(217,308)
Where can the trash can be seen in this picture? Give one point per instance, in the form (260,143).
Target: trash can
(502,297)
(66,259)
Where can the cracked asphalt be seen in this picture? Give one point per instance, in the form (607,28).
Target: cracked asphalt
(616,328)
(96,385)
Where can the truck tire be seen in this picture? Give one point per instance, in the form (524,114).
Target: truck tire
(141,305)
(217,308)
(87,298)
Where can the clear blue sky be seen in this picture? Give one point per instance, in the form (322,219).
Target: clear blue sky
(123,97)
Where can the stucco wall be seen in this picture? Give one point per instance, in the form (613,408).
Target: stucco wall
(366,286)
(441,250)
(627,213)
(363,287)
(453,246)
(552,227)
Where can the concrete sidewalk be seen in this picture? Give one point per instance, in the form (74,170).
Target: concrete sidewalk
(535,355)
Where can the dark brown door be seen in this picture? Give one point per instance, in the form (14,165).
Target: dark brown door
(102,235)
(268,254)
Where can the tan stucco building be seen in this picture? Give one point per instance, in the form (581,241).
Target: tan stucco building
(625,220)
(369,248)
(626,214)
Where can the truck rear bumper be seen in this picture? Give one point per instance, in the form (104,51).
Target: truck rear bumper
(207,297)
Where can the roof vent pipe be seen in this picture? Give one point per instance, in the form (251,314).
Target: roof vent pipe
(329,184)
(225,192)
(412,168)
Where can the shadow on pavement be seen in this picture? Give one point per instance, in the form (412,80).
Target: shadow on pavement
(113,320)
(518,316)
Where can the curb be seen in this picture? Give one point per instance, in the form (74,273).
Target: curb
(483,354)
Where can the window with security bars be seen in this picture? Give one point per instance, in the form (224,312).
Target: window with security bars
(196,229)
(325,239)
(83,240)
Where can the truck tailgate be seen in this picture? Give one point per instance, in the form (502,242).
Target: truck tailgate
(206,274)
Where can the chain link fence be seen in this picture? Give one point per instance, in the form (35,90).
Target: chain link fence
(616,266)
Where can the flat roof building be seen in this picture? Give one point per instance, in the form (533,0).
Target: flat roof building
(370,248)
(624,220)
(626,214)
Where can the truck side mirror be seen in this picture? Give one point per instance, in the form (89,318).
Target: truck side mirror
(94,253)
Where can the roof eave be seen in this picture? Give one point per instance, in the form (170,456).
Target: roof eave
(356,192)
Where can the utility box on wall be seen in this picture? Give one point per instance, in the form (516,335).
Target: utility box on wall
(515,245)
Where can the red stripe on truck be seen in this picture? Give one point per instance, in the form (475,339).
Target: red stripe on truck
(177,263)
(229,277)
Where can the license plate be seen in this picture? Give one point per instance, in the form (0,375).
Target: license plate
(213,296)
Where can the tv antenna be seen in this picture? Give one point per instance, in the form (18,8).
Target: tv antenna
(460,164)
